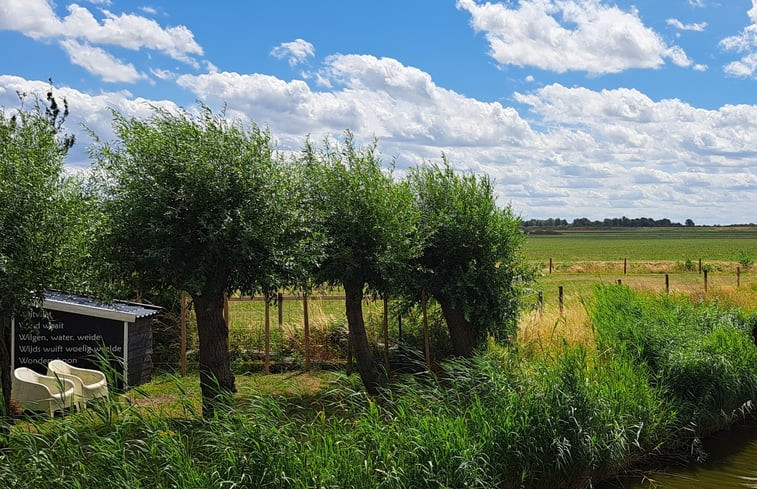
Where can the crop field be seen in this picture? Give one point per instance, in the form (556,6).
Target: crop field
(582,259)
(667,244)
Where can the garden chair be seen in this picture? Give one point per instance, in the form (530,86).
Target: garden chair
(88,383)
(38,392)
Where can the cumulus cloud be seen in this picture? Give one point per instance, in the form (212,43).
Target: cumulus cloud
(100,63)
(574,152)
(746,43)
(92,111)
(570,35)
(36,19)
(378,96)
(296,51)
(574,138)
(697,27)
(660,132)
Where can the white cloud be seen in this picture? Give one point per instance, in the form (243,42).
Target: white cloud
(697,27)
(163,74)
(697,3)
(700,67)
(100,63)
(570,35)
(296,51)
(577,152)
(376,96)
(745,42)
(588,144)
(92,111)
(148,10)
(36,19)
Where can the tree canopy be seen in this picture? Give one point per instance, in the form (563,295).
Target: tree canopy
(367,220)
(34,217)
(470,259)
(202,204)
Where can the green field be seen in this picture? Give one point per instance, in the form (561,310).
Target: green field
(667,244)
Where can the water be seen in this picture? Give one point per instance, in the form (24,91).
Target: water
(731,464)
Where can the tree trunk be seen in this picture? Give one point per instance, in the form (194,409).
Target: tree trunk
(216,379)
(460,329)
(5,376)
(358,337)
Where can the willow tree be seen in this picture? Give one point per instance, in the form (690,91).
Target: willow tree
(33,220)
(198,203)
(367,220)
(470,259)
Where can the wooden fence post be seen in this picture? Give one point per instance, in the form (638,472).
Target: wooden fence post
(550,265)
(426,339)
(267,366)
(705,280)
(738,276)
(620,282)
(667,283)
(183,334)
(541,302)
(560,298)
(625,265)
(700,265)
(306,320)
(386,335)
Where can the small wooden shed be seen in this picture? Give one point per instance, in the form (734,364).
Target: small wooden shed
(76,328)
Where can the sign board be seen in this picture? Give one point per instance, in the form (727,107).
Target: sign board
(73,338)
(82,332)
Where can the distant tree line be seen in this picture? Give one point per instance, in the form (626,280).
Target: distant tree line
(616,222)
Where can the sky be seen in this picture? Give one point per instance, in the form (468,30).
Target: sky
(575,108)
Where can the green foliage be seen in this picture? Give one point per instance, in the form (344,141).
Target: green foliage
(366,217)
(471,249)
(665,371)
(33,213)
(37,217)
(744,259)
(703,355)
(489,422)
(196,202)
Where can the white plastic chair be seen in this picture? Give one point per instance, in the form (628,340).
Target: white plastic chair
(88,383)
(38,392)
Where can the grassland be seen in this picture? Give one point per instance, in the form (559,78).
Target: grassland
(650,376)
(652,244)
(582,394)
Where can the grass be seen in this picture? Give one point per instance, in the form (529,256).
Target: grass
(612,381)
(562,407)
(646,244)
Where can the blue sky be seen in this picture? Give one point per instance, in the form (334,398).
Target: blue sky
(577,108)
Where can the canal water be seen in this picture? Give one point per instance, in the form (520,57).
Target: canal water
(731,464)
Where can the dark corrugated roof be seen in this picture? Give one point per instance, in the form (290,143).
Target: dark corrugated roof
(90,306)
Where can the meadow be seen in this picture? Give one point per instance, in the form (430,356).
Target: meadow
(622,377)
(646,244)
